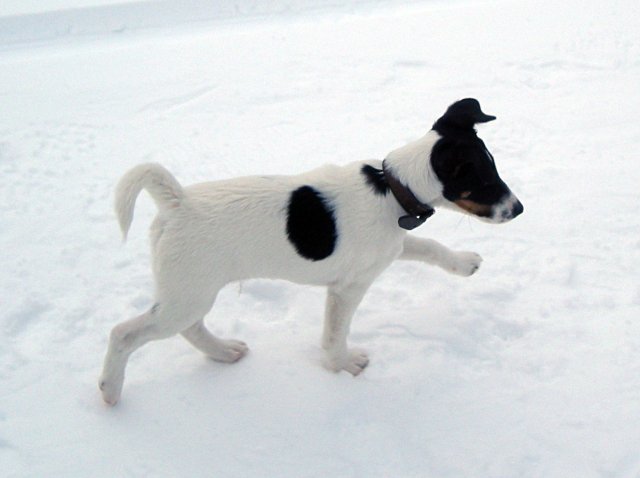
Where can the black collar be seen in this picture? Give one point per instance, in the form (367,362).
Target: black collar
(418,212)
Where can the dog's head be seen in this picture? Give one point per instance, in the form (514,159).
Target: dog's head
(466,169)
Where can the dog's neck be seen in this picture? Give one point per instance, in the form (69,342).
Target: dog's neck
(411,166)
(417,212)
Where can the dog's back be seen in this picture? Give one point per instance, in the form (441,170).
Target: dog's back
(285,227)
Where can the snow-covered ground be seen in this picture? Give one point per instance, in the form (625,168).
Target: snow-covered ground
(531,368)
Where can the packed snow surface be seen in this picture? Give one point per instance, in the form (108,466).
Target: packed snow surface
(530,368)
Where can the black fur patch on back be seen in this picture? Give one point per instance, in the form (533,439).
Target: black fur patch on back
(375,178)
(311,225)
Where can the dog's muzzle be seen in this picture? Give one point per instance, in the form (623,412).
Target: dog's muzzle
(506,210)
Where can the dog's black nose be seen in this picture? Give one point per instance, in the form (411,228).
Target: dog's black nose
(518,208)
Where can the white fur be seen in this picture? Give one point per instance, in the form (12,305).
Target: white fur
(207,235)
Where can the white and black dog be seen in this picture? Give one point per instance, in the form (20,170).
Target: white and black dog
(335,226)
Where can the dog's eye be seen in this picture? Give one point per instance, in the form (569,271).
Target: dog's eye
(462,170)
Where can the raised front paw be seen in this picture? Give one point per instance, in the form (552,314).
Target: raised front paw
(464,263)
(353,361)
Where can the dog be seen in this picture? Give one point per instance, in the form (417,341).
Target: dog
(335,226)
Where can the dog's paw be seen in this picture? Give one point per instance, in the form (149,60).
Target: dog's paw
(230,351)
(358,361)
(111,390)
(354,362)
(464,263)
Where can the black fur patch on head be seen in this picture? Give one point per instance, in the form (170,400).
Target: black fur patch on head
(311,225)
(467,171)
(375,178)
(462,115)
(461,160)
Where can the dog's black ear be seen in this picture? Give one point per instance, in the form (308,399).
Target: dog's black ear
(465,114)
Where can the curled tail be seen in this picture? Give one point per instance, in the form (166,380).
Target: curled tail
(159,183)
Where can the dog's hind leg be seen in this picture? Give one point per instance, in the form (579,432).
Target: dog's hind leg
(163,320)
(432,252)
(125,338)
(228,351)
(341,304)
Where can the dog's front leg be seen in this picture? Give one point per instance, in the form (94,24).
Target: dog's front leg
(342,302)
(432,252)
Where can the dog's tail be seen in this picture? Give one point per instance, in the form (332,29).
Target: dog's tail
(159,183)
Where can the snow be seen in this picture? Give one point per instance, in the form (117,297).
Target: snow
(529,368)
(30,7)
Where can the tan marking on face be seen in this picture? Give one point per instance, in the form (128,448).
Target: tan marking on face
(474,208)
